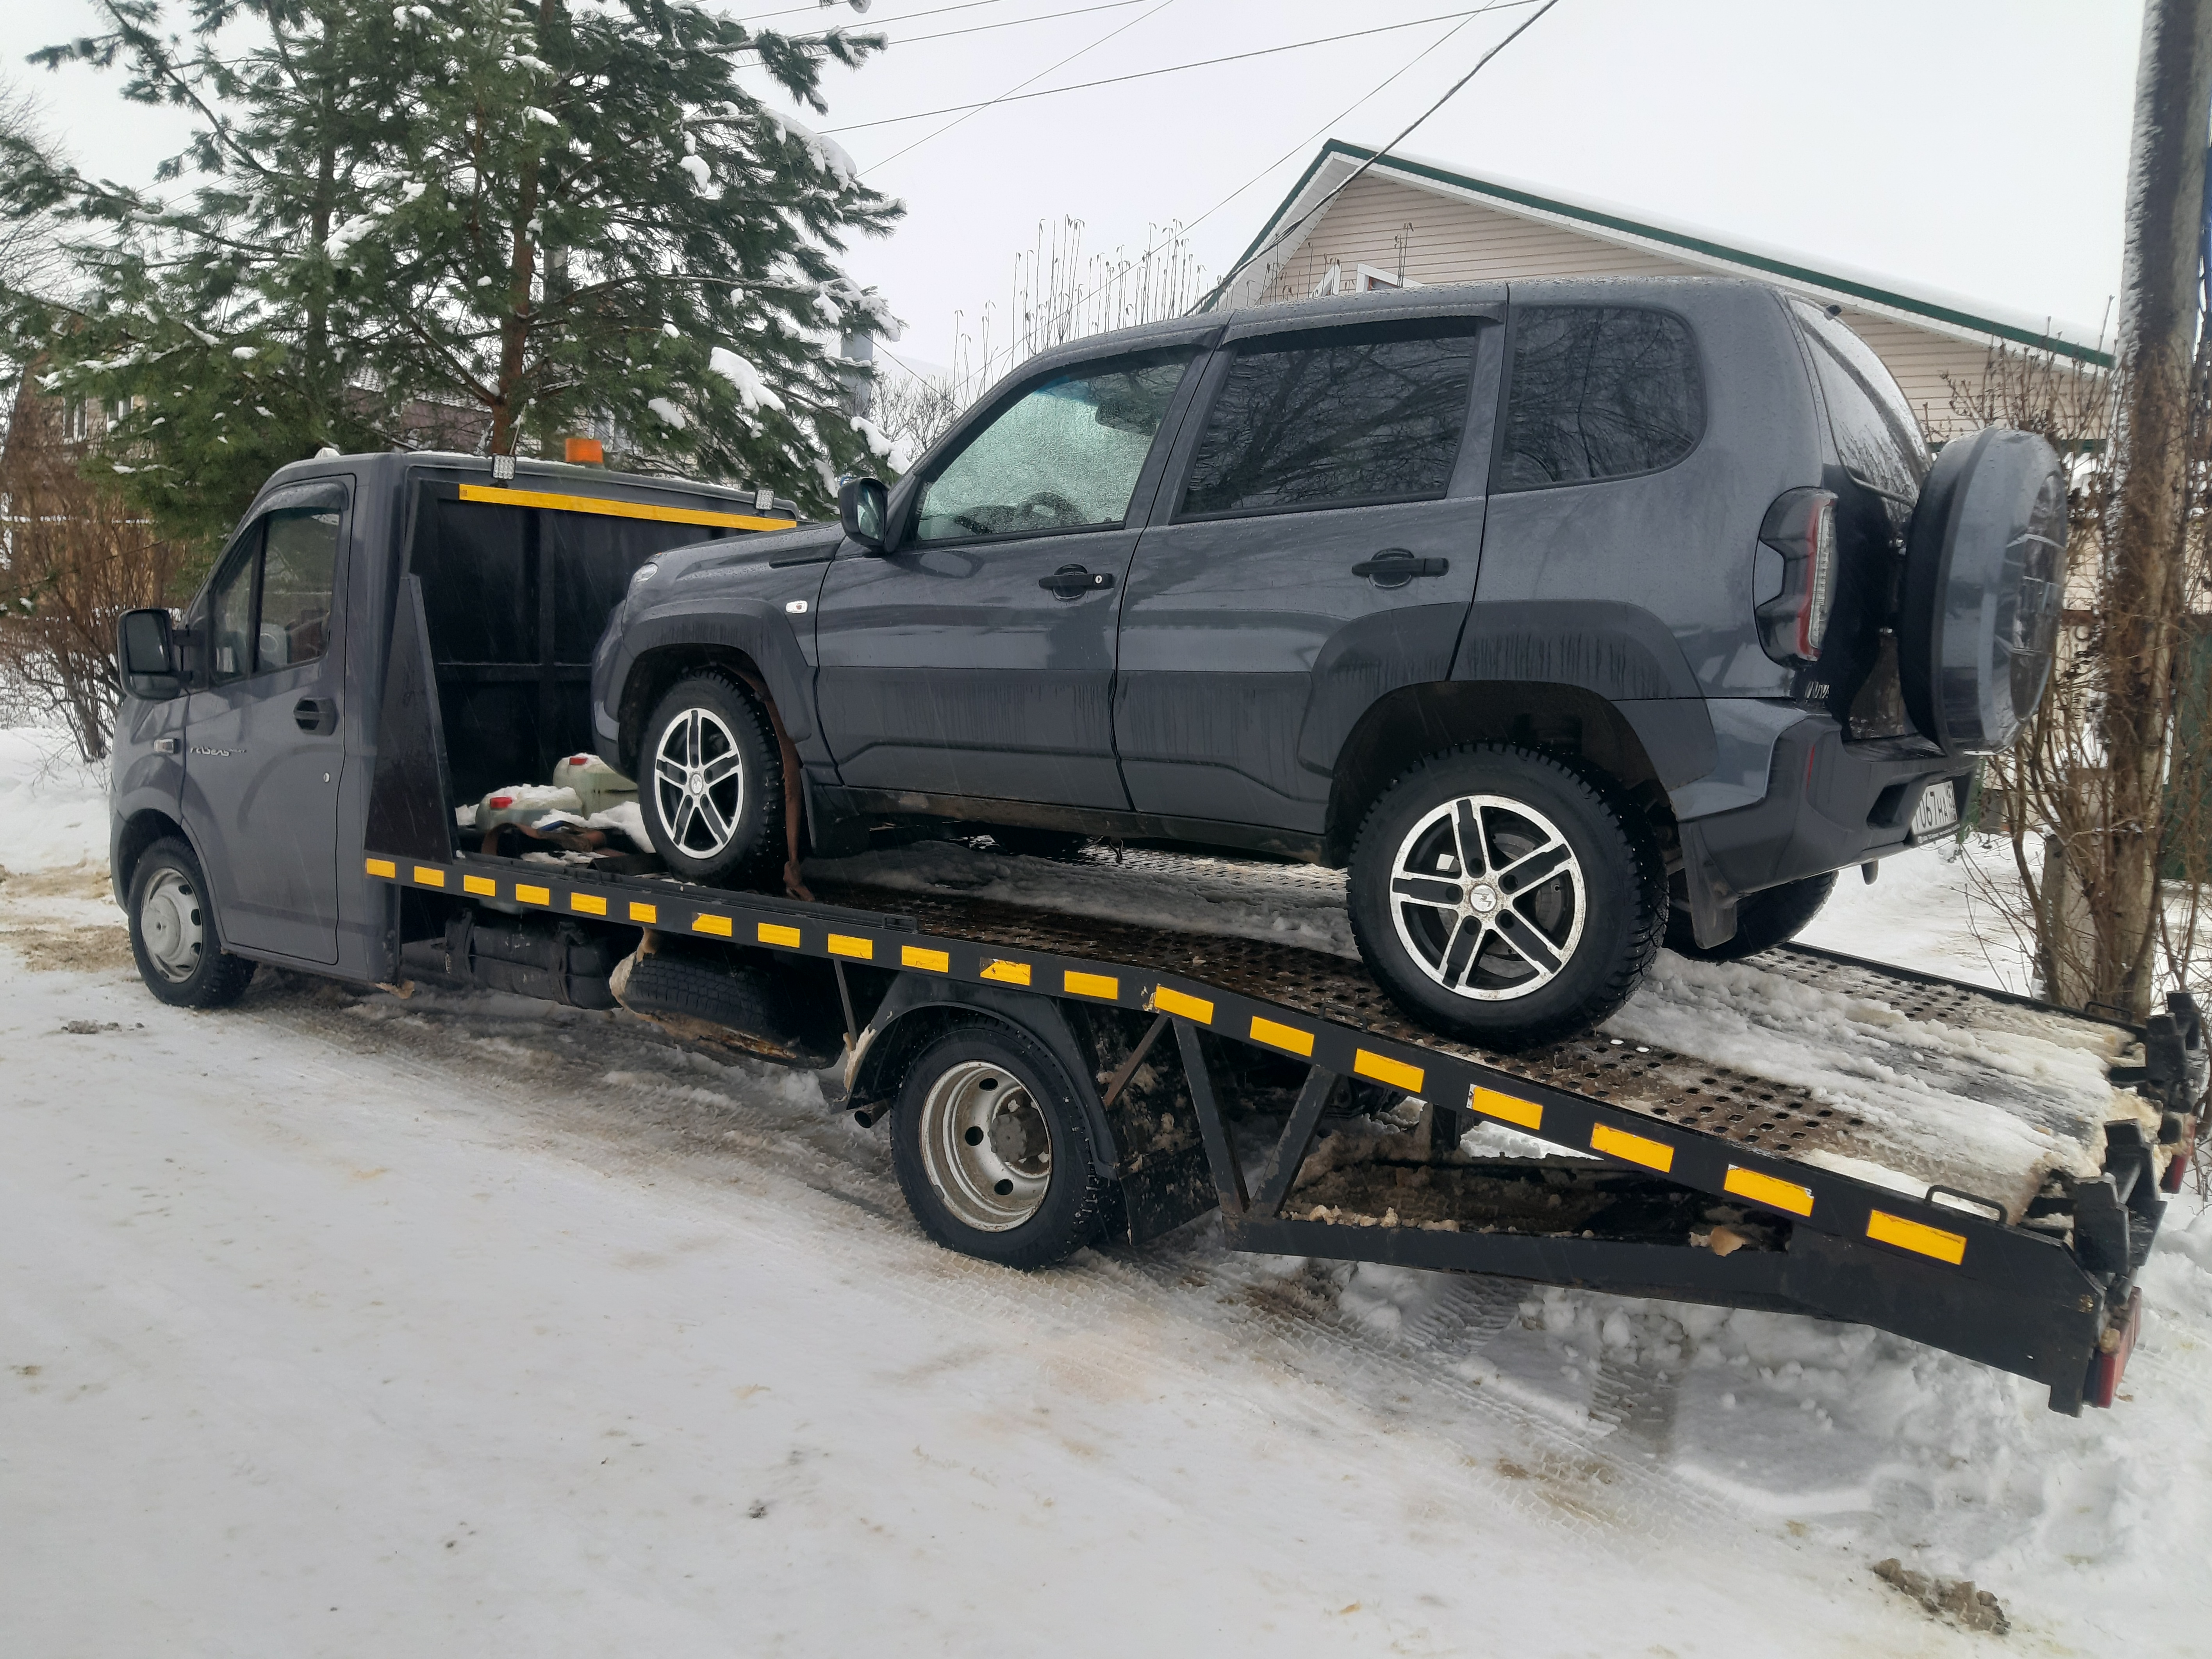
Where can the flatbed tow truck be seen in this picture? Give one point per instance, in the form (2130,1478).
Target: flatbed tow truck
(1218,1072)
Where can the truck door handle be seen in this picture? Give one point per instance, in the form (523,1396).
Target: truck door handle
(316,714)
(1073,582)
(1393,567)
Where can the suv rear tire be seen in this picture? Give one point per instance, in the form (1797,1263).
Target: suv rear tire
(1545,953)
(1763,920)
(174,935)
(710,780)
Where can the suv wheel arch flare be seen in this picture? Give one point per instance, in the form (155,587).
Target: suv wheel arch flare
(1983,579)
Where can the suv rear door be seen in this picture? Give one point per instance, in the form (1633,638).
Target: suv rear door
(1317,550)
(263,745)
(975,658)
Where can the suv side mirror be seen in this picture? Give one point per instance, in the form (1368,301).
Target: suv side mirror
(863,507)
(146,651)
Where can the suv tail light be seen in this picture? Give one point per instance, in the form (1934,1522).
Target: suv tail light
(1800,526)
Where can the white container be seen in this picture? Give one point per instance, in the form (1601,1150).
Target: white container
(525,803)
(596,784)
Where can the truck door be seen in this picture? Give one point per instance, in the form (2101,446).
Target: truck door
(1317,552)
(263,753)
(976,658)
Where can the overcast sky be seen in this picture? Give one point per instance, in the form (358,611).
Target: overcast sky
(1972,146)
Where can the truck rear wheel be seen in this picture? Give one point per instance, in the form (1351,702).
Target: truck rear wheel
(174,935)
(1501,897)
(710,780)
(992,1150)
(1763,920)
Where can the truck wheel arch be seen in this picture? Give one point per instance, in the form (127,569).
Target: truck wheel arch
(919,1009)
(140,831)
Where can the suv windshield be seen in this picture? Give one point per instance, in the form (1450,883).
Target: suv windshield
(1877,436)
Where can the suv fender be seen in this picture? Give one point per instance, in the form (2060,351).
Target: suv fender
(685,635)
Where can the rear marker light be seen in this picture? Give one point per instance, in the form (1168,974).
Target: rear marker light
(1800,526)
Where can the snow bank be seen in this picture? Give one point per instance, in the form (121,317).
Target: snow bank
(53,808)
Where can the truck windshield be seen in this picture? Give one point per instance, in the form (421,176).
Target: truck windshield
(1877,436)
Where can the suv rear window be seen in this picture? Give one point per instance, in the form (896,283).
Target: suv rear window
(1599,392)
(1877,435)
(1333,423)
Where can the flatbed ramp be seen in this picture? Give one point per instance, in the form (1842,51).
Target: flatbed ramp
(2004,1222)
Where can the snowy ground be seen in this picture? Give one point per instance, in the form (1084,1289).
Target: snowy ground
(338,1324)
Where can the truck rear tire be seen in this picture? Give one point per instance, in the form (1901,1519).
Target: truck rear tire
(1763,920)
(1501,897)
(710,780)
(992,1150)
(174,934)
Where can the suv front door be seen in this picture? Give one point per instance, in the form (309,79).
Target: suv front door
(975,658)
(1321,551)
(263,752)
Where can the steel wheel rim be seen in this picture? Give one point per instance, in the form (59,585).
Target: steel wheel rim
(699,783)
(1488,898)
(169,926)
(987,1145)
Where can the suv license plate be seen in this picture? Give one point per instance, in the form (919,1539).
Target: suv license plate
(1938,810)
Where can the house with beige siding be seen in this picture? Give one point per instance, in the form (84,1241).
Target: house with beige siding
(1405,223)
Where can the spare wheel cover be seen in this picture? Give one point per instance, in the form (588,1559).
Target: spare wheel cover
(1985,567)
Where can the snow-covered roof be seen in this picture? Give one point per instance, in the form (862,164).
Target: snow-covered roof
(1955,315)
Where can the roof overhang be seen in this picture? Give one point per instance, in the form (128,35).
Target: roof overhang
(1294,221)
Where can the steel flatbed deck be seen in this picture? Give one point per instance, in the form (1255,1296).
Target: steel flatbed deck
(1673,1152)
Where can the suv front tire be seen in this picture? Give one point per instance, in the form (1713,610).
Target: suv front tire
(710,781)
(1502,897)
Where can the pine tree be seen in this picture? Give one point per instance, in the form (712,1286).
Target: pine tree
(547,217)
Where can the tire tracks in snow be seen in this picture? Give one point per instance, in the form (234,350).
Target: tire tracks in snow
(620,1096)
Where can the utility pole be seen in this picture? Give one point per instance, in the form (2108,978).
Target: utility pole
(2143,601)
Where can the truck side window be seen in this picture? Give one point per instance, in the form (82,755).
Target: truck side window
(299,573)
(230,613)
(1065,456)
(1345,422)
(1598,391)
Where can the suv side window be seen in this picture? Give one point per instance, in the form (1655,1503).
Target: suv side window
(1332,423)
(1877,435)
(1598,391)
(1065,456)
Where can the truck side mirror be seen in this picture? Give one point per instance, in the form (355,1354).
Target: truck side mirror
(863,507)
(146,651)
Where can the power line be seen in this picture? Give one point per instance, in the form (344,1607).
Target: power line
(969,110)
(1525,25)
(1017,96)
(1378,87)
(979,28)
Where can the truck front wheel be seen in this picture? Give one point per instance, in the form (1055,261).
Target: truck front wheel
(173,931)
(711,782)
(991,1151)
(1503,897)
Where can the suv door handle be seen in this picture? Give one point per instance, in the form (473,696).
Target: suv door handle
(316,714)
(1073,582)
(1393,567)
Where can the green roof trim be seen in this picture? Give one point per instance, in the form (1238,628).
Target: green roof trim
(1712,250)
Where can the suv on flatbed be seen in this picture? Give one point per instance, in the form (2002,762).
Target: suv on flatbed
(1526,605)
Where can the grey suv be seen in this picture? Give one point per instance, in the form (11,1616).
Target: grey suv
(1552,612)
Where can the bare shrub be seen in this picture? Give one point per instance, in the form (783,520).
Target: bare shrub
(73,558)
(2076,842)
